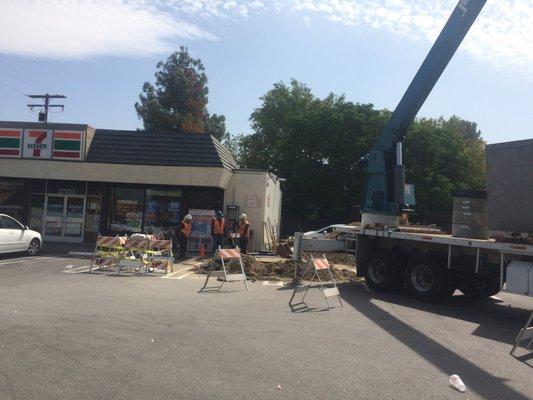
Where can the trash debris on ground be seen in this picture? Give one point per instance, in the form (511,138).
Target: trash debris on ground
(457,383)
(278,387)
(278,269)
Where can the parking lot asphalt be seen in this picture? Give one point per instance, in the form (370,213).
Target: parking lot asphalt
(68,334)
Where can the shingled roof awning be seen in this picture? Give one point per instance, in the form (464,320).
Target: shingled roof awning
(164,149)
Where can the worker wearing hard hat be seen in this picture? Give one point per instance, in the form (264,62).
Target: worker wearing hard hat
(244,232)
(184,233)
(218,230)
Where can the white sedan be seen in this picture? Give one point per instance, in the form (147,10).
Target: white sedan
(337,231)
(15,237)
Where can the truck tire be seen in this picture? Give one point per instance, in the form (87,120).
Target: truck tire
(481,286)
(427,279)
(383,271)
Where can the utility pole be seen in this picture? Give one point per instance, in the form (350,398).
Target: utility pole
(43,115)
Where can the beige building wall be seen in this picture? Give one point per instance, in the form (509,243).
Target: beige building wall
(258,195)
(119,173)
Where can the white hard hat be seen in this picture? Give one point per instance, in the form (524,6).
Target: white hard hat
(188,216)
(243,216)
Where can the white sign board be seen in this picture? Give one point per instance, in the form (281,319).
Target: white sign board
(251,201)
(37,143)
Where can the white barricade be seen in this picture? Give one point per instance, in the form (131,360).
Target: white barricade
(107,251)
(329,289)
(133,255)
(222,274)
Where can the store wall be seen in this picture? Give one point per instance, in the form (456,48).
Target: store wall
(124,173)
(258,195)
(273,203)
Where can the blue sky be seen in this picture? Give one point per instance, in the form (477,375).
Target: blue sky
(99,53)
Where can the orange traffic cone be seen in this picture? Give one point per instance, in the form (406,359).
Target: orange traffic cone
(202,251)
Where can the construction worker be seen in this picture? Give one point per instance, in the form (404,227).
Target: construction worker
(244,232)
(184,233)
(218,230)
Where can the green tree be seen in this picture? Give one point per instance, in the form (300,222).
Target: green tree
(215,125)
(178,99)
(315,144)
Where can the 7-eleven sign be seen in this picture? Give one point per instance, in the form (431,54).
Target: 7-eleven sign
(37,143)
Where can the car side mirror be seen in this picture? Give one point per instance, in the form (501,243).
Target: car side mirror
(25,228)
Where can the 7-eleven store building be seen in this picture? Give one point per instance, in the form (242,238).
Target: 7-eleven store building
(71,181)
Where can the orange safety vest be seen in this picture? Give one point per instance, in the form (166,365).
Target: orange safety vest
(242,229)
(186,229)
(218,226)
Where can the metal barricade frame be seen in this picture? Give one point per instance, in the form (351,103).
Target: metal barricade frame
(314,265)
(107,251)
(222,274)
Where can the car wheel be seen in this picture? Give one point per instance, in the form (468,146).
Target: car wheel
(34,247)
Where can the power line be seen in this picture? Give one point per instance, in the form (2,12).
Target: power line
(22,77)
(43,115)
(14,89)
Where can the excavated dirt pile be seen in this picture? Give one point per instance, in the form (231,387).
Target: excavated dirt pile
(258,270)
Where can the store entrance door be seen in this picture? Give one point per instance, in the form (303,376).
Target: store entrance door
(64,218)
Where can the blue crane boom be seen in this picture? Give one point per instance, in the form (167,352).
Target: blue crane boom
(383,194)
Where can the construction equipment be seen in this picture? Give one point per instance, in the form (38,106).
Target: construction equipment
(384,192)
(432,265)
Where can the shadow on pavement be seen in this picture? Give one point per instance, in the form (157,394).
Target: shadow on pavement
(496,320)
(477,379)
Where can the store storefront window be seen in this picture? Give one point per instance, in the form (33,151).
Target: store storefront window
(162,209)
(126,207)
(36,212)
(93,211)
(205,199)
(13,197)
(38,185)
(67,187)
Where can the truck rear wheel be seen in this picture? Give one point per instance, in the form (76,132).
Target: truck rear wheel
(426,279)
(382,273)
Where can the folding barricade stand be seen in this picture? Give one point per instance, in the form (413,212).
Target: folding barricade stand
(107,251)
(222,274)
(314,266)
(133,255)
(525,333)
(159,256)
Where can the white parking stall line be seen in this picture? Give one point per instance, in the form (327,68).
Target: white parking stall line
(185,275)
(174,275)
(77,270)
(275,283)
(16,260)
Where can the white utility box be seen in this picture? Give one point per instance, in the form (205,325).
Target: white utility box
(520,278)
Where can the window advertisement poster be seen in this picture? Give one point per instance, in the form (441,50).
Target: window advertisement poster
(37,143)
(201,230)
(201,223)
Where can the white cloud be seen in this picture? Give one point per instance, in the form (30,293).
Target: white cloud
(85,28)
(501,36)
